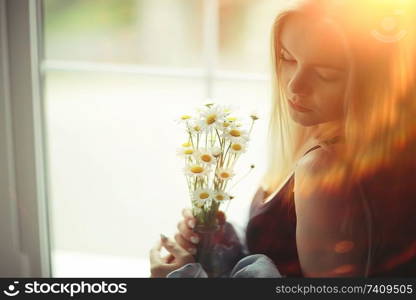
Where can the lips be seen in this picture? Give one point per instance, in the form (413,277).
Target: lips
(298,107)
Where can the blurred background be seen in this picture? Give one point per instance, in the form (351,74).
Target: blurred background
(117,75)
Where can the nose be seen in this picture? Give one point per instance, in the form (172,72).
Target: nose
(299,84)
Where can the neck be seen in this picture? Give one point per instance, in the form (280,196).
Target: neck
(328,131)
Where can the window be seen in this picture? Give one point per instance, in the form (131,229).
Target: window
(117,73)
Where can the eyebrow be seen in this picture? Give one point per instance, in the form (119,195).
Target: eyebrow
(317,65)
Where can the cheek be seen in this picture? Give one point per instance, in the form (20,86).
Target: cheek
(330,97)
(286,74)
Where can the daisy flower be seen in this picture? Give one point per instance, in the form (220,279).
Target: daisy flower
(202,196)
(225,173)
(236,134)
(187,144)
(196,127)
(254,116)
(220,196)
(228,108)
(205,156)
(212,116)
(235,119)
(196,169)
(185,152)
(231,119)
(238,147)
(223,125)
(183,119)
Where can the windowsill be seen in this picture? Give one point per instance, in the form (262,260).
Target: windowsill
(78,264)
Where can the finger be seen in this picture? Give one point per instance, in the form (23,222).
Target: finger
(174,248)
(189,218)
(185,244)
(154,254)
(187,233)
(168,258)
(187,213)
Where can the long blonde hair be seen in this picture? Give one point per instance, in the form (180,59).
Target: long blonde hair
(380,97)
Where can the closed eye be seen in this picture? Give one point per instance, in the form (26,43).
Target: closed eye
(331,76)
(329,73)
(283,57)
(327,78)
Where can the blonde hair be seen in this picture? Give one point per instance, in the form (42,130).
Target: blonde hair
(380,98)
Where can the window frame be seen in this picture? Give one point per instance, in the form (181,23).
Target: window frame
(22,140)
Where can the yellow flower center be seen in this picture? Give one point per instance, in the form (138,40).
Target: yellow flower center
(188,151)
(197,128)
(211,119)
(185,117)
(206,157)
(187,144)
(203,195)
(197,169)
(219,197)
(231,119)
(225,175)
(236,147)
(235,132)
(226,124)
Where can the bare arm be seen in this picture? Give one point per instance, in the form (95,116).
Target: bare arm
(325,247)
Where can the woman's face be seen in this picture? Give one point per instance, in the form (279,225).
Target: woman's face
(313,70)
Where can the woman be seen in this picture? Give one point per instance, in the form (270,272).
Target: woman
(338,197)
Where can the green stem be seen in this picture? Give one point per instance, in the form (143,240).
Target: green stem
(192,142)
(227,151)
(219,138)
(233,160)
(251,127)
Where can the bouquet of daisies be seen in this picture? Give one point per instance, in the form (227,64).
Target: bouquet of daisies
(216,139)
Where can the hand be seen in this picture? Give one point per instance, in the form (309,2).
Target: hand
(162,266)
(185,236)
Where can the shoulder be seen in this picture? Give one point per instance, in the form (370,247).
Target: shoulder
(312,167)
(324,156)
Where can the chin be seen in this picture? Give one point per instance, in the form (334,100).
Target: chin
(303,119)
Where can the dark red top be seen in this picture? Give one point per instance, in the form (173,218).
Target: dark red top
(271,229)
